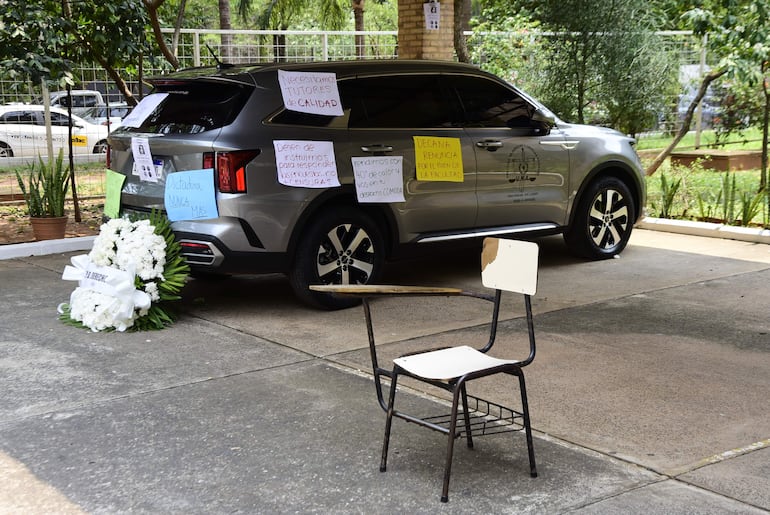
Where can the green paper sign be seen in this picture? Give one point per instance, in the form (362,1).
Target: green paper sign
(113,187)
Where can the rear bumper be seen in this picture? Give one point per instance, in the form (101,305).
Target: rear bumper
(205,253)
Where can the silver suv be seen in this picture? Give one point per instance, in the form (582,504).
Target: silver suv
(420,152)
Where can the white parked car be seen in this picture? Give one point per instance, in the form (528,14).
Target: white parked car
(81,100)
(98,114)
(22,132)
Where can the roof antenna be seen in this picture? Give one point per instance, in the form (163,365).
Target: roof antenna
(220,64)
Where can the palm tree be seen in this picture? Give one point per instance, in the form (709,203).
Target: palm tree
(278,15)
(225,24)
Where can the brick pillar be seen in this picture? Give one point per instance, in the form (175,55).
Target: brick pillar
(415,41)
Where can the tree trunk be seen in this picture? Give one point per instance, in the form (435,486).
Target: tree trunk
(225,24)
(178,27)
(358,16)
(152,11)
(118,80)
(707,80)
(461,22)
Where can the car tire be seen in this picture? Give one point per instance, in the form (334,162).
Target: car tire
(603,220)
(5,150)
(101,147)
(341,246)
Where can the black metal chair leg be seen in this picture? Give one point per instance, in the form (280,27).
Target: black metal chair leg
(467,417)
(527,426)
(388,422)
(451,443)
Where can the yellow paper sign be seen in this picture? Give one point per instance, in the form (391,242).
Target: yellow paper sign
(79,141)
(438,159)
(114,185)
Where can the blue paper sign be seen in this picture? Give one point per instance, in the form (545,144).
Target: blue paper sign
(190,195)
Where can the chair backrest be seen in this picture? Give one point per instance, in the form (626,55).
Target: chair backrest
(509,265)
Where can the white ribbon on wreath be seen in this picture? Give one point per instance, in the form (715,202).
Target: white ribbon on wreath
(105,296)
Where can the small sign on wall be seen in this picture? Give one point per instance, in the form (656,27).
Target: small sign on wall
(432,12)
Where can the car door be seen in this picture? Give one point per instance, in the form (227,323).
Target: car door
(16,129)
(82,141)
(522,163)
(386,114)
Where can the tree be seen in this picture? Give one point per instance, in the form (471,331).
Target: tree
(462,17)
(604,59)
(738,34)
(225,24)
(34,41)
(358,17)
(279,14)
(109,33)
(152,7)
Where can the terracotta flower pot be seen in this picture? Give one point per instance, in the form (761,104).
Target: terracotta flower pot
(50,228)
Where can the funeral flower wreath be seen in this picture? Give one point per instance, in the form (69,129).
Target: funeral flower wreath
(133,269)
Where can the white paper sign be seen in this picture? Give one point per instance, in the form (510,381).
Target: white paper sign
(139,114)
(432,12)
(140,147)
(306,164)
(157,163)
(379,179)
(310,92)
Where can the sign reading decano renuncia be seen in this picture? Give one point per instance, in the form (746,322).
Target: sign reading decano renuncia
(310,92)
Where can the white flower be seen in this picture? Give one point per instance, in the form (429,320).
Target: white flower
(132,247)
(151,288)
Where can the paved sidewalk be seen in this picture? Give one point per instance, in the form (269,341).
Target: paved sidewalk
(649,394)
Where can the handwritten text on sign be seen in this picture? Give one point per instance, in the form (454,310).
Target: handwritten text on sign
(310,92)
(306,164)
(379,179)
(190,195)
(438,159)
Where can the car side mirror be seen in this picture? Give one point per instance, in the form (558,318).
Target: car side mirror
(543,122)
(544,118)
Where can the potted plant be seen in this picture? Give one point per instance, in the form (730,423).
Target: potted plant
(45,192)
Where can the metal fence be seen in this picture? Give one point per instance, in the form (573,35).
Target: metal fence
(198,47)
(203,47)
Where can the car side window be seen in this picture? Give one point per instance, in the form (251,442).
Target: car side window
(489,104)
(57,119)
(23,117)
(406,101)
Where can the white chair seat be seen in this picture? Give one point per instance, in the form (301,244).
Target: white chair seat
(450,363)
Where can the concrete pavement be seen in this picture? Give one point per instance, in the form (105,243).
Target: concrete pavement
(649,394)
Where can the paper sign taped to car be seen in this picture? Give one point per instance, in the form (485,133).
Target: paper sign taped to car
(190,195)
(306,164)
(310,92)
(438,159)
(379,178)
(113,186)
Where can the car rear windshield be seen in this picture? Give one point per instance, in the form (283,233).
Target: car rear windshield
(196,106)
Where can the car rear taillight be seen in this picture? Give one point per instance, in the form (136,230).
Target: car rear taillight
(230,168)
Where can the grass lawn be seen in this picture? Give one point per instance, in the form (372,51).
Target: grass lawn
(750,139)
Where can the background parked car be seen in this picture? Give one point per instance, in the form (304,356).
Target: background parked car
(98,115)
(23,134)
(492,161)
(81,100)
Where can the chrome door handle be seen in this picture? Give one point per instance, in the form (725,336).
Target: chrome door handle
(489,144)
(373,149)
(566,145)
